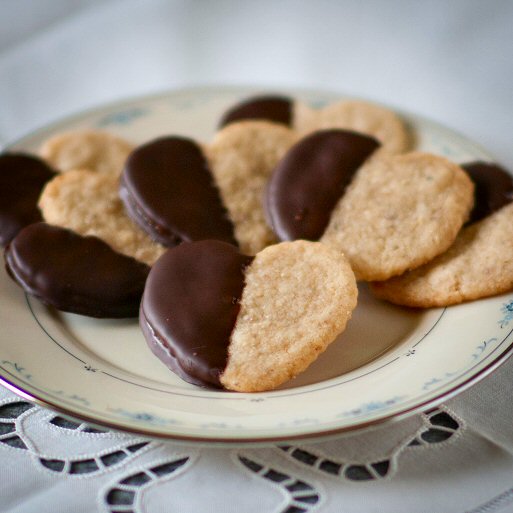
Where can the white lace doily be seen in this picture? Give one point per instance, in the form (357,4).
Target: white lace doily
(447,459)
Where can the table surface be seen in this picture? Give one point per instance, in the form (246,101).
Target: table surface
(450,61)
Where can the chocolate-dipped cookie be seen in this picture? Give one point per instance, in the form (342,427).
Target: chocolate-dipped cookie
(222,319)
(359,116)
(22,177)
(75,274)
(478,264)
(386,213)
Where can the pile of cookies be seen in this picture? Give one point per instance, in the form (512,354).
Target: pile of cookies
(241,255)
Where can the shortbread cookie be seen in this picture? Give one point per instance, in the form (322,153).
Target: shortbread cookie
(242,157)
(359,116)
(178,191)
(478,264)
(219,318)
(22,178)
(398,213)
(88,203)
(75,274)
(94,150)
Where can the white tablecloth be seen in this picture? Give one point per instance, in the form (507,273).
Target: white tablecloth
(451,61)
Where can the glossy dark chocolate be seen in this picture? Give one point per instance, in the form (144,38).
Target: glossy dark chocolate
(168,190)
(277,109)
(22,177)
(190,306)
(75,274)
(493,188)
(307,183)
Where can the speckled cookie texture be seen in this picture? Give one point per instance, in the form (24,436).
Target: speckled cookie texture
(477,265)
(359,116)
(242,156)
(398,213)
(297,298)
(95,150)
(88,203)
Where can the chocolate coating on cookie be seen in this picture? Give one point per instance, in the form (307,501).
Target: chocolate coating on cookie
(75,274)
(22,178)
(277,109)
(493,188)
(168,190)
(190,306)
(308,182)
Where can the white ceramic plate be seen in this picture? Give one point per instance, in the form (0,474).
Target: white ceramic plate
(390,361)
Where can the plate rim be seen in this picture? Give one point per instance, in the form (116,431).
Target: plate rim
(316,435)
(313,434)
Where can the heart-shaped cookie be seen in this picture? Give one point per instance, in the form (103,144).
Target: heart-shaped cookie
(220,318)
(76,274)
(359,116)
(22,177)
(397,213)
